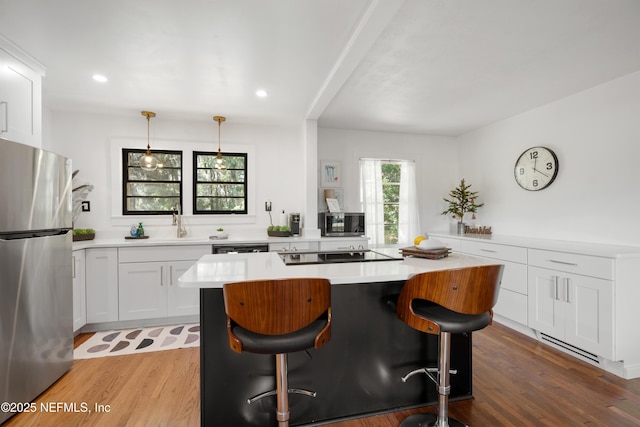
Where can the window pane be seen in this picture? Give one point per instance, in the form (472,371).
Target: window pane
(220,190)
(211,175)
(151,204)
(219,204)
(164,174)
(390,193)
(390,172)
(165,159)
(391,214)
(153,189)
(390,234)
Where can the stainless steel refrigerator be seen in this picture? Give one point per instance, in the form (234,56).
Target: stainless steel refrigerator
(36,309)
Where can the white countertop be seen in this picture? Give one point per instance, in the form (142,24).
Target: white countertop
(212,271)
(585,248)
(202,240)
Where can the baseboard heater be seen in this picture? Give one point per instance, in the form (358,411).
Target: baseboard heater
(578,352)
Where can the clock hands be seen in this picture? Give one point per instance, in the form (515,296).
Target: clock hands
(542,173)
(535,161)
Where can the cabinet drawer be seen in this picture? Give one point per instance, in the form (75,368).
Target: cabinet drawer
(585,265)
(512,305)
(514,277)
(492,250)
(163,253)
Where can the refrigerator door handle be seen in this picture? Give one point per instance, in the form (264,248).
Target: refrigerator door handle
(5,128)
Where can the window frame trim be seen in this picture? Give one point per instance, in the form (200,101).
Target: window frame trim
(124,171)
(195,182)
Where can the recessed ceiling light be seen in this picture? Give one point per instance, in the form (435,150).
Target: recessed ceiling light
(99,78)
(261,93)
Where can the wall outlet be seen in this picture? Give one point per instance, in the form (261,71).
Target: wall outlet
(267,206)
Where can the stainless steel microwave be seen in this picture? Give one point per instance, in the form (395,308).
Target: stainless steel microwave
(341,224)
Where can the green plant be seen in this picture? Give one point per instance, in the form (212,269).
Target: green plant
(285,228)
(462,201)
(220,230)
(271,228)
(78,231)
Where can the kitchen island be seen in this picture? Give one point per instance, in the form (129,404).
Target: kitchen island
(356,373)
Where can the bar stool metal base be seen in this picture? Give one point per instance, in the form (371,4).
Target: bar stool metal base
(428,420)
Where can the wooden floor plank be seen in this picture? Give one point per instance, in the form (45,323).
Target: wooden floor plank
(517,381)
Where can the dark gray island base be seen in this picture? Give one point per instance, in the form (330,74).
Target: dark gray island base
(357,373)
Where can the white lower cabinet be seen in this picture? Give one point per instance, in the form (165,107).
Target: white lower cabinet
(512,304)
(572,308)
(512,298)
(150,290)
(79,290)
(148,282)
(181,301)
(102,284)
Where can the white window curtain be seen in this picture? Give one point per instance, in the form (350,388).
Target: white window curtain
(373,205)
(408,215)
(371,199)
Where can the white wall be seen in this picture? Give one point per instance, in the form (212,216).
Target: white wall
(88,139)
(595,198)
(435,157)
(596,135)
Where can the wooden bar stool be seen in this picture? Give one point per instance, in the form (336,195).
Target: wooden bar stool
(442,303)
(278,317)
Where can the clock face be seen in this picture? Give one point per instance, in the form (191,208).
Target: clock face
(536,168)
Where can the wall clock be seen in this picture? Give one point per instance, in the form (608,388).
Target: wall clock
(536,168)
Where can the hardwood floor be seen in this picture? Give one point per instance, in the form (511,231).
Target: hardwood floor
(517,382)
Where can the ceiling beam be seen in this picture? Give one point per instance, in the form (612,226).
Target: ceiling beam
(373,22)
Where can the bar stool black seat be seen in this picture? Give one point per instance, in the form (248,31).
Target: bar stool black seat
(278,317)
(442,303)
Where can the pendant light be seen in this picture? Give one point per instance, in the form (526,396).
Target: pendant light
(219,162)
(148,162)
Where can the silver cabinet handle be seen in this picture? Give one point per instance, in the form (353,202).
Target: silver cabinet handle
(488,250)
(161,275)
(73,274)
(555,287)
(566,289)
(6,117)
(562,262)
(171,275)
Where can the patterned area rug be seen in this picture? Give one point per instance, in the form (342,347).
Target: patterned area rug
(139,340)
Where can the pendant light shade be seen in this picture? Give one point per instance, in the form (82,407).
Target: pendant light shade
(148,162)
(219,162)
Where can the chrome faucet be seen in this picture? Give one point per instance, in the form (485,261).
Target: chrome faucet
(177,221)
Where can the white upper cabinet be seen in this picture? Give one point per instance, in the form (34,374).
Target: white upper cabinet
(20,96)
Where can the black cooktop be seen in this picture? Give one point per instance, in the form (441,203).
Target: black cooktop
(334,257)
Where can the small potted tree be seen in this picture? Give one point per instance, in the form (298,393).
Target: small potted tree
(461,201)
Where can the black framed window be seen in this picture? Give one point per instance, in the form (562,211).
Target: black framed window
(219,191)
(151,193)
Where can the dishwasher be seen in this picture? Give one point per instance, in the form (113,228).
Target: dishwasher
(240,248)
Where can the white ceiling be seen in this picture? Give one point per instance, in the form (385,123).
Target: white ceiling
(421,66)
